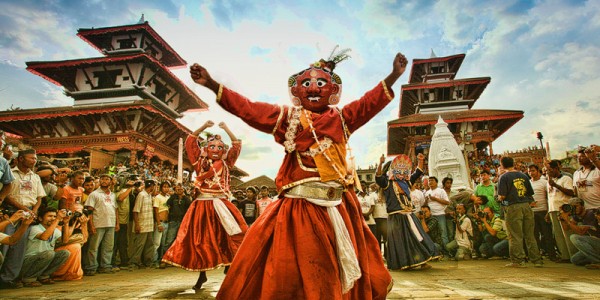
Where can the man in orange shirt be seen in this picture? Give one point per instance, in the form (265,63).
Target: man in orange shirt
(73,192)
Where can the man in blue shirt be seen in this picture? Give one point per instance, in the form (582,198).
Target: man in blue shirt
(515,192)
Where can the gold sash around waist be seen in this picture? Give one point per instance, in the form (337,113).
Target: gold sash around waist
(312,191)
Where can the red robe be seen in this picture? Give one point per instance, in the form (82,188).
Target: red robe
(290,251)
(202,243)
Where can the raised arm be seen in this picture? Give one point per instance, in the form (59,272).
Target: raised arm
(229,133)
(201,76)
(398,67)
(207,124)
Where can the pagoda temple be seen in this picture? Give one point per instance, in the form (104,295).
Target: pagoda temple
(433,92)
(124,101)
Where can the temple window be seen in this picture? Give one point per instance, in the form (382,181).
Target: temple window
(438,68)
(126,43)
(421,130)
(444,94)
(482,126)
(107,79)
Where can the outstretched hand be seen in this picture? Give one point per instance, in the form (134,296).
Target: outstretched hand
(201,76)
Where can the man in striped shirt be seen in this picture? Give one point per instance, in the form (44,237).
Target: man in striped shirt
(143,227)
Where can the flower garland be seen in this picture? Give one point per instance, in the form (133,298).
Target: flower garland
(290,133)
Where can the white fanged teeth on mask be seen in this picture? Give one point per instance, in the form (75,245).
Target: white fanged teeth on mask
(314,99)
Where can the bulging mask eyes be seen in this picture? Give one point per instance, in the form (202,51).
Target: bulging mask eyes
(321,82)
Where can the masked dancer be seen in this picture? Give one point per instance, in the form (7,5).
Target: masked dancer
(213,228)
(408,246)
(313,242)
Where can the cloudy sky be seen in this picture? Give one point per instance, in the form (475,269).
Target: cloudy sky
(543,57)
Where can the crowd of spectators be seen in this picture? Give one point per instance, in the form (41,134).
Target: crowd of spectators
(558,211)
(60,222)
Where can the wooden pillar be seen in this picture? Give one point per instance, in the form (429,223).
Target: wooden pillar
(491,149)
(132,155)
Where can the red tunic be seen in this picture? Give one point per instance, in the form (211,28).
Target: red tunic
(290,251)
(202,243)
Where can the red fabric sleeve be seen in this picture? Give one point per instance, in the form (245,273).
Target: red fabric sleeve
(259,115)
(358,112)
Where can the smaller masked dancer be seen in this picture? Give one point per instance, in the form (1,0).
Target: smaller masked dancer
(409,246)
(213,228)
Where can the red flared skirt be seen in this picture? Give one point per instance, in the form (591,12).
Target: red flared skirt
(202,243)
(290,253)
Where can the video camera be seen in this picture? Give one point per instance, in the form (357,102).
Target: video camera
(481,214)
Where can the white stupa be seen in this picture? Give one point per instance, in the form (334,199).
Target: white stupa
(446,158)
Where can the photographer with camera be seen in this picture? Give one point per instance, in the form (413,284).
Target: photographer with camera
(430,226)
(6,219)
(41,260)
(26,195)
(560,190)
(585,232)
(461,247)
(494,236)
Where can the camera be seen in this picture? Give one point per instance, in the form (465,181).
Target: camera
(419,214)
(566,208)
(77,214)
(481,214)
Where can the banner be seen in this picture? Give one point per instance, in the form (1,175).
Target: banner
(100,159)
